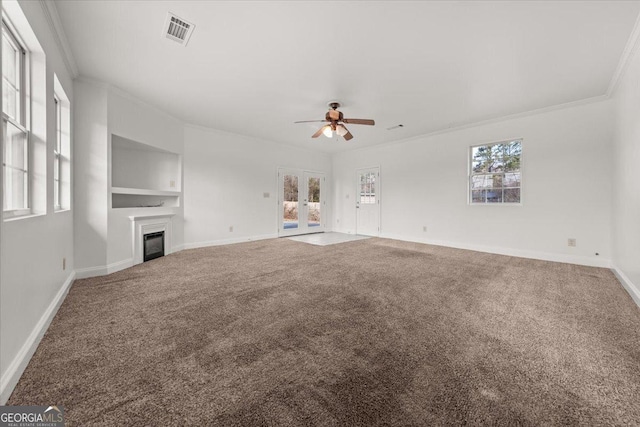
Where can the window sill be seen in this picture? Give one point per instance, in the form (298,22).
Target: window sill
(60,210)
(21,217)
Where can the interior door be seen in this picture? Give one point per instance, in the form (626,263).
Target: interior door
(368,202)
(301,204)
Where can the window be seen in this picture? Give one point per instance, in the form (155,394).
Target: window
(61,148)
(56,154)
(12,75)
(368,188)
(16,141)
(495,175)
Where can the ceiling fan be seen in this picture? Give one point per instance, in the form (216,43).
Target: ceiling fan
(336,122)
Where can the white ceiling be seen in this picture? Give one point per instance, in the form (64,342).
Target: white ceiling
(256,67)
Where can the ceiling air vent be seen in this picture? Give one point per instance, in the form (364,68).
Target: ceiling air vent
(177,29)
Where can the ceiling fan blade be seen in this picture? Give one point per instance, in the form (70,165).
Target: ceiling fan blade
(343,132)
(312,121)
(319,132)
(360,121)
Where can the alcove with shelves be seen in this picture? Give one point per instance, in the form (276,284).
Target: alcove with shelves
(143,176)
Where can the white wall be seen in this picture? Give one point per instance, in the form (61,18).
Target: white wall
(102,234)
(566,187)
(134,120)
(32,278)
(144,168)
(4,385)
(225,176)
(91,166)
(626,178)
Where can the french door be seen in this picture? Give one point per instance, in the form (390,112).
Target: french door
(368,202)
(301,204)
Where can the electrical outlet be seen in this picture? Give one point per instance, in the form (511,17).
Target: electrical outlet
(266,195)
(571,242)
(338,221)
(347,196)
(64,263)
(172,184)
(231,229)
(424,228)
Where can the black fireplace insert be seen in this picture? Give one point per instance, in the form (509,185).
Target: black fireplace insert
(153,245)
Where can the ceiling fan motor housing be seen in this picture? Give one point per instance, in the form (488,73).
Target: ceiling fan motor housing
(334,115)
(335,123)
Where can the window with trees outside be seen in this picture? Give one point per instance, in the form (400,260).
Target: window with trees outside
(495,175)
(16,138)
(368,188)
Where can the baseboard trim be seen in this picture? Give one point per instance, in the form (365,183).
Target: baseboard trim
(83,273)
(544,256)
(102,270)
(221,242)
(19,363)
(633,290)
(120,265)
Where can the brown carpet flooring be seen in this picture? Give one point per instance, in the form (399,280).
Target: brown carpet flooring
(372,332)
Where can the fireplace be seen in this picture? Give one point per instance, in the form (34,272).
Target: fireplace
(143,225)
(153,245)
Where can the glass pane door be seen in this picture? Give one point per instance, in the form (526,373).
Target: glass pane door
(290,202)
(314,207)
(368,202)
(300,202)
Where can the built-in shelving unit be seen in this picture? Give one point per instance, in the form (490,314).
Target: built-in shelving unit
(143,176)
(119,201)
(143,191)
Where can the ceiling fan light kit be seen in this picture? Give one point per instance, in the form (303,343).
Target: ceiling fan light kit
(336,121)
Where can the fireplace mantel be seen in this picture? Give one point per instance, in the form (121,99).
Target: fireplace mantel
(145,224)
(143,217)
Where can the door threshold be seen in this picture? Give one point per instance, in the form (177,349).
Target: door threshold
(327,238)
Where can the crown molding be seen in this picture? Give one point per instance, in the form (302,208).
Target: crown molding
(115,90)
(90,80)
(59,36)
(627,53)
(248,138)
(251,138)
(474,124)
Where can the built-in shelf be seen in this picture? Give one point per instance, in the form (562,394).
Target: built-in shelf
(143,176)
(143,191)
(119,201)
